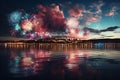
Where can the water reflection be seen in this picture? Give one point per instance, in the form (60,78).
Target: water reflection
(62,65)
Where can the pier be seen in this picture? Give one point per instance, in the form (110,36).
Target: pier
(64,44)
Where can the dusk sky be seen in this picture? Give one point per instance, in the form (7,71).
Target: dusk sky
(83,19)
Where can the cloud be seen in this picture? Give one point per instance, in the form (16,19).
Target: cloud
(72,22)
(112,12)
(80,16)
(92,30)
(110,29)
(95,36)
(108,34)
(53,18)
(116,35)
(76,11)
(92,15)
(103,35)
(117,30)
(96,7)
(99,31)
(91,18)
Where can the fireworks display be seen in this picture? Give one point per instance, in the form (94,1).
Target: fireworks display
(50,21)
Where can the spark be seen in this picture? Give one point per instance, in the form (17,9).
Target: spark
(15,17)
(72,22)
(27,25)
(17,27)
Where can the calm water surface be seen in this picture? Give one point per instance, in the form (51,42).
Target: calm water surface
(59,64)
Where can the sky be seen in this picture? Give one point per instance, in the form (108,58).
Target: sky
(83,19)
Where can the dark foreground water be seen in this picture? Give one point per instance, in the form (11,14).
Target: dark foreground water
(59,64)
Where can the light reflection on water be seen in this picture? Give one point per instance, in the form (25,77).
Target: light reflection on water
(63,64)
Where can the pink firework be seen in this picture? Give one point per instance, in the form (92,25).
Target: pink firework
(51,19)
(26,25)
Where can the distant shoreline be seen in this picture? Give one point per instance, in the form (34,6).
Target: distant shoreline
(55,40)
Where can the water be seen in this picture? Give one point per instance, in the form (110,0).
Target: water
(59,64)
